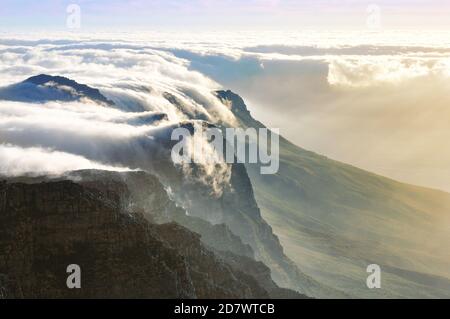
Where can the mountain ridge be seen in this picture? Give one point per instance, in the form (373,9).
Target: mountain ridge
(316,224)
(314,203)
(122,252)
(42,88)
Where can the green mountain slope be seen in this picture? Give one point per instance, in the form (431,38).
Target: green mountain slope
(333,220)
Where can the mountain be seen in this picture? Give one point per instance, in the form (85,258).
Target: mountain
(43,88)
(94,219)
(333,220)
(310,229)
(234,207)
(229,224)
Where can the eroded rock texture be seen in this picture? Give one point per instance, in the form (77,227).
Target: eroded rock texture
(111,233)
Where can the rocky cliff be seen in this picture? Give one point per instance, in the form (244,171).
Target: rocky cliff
(48,224)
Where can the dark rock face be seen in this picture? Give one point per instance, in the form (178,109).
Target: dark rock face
(218,238)
(238,107)
(211,278)
(159,208)
(46,225)
(235,206)
(241,214)
(229,222)
(246,178)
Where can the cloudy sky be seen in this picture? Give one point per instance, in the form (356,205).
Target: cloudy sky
(226,14)
(376,98)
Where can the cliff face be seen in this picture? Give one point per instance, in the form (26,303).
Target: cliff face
(218,238)
(46,225)
(228,220)
(236,208)
(144,191)
(332,217)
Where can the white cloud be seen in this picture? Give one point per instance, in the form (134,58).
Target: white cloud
(318,87)
(83,134)
(35,161)
(368,71)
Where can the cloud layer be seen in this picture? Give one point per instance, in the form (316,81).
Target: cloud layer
(381,107)
(153,91)
(378,101)
(35,161)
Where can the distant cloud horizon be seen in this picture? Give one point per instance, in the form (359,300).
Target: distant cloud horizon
(229,14)
(377,101)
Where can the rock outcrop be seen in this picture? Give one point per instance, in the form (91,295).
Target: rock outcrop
(46,225)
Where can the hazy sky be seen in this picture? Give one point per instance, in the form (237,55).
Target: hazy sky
(377,100)
(225,14)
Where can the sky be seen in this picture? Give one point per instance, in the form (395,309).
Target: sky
(225,14)
(365,83)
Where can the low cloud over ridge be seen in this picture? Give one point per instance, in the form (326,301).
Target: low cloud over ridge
(377,101)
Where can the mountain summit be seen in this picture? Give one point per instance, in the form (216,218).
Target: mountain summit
(43,88)
(314,227)
(333,220)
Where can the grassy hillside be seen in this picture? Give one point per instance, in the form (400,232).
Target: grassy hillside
(333,220)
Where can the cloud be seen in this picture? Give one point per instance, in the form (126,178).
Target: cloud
(378,106)
(107,65)
(35,161)
(137,78)
(366,72)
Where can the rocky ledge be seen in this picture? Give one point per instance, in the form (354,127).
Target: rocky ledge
(48,224)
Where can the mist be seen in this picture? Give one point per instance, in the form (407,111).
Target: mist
(382,109)
(51,135)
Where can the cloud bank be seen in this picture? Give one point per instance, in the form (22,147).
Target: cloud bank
(378,101)
(152,91)
(381,107)
(35,161)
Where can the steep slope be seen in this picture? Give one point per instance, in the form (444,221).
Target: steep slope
(48,224)
(234,206)
(334,220)
(221,195)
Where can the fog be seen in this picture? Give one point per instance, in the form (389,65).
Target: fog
(43,132)
(383,109)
